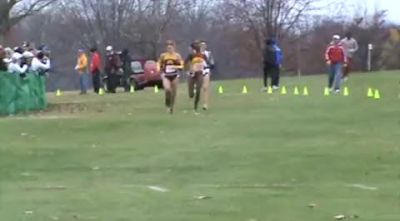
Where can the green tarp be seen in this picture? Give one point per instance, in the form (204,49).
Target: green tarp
(22,94)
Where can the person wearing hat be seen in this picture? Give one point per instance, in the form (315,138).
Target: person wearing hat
(15,67)
(8,53)
(82,69)
(112,66)
(95,69)
(336,59)
(40,64)
(18,50)
(26,59)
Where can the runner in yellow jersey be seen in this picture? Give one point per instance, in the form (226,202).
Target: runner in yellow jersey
(196,62)
(170,64)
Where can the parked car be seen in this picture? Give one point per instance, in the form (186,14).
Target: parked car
(144,74)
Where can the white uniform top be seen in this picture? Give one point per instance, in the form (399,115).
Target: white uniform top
(15,68)
(38,65)
(350,46)
(209,63)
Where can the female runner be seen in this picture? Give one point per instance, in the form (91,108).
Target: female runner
(170,64)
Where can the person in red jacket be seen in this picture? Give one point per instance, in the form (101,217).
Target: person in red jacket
(95,69)
(336,59)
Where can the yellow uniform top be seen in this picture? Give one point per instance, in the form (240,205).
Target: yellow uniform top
(170,63)
(197,62)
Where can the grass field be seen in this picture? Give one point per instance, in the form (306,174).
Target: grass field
(256,157)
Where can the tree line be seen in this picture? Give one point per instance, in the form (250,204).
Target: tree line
(234,29)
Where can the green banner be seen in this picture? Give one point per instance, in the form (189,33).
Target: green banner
(19,95)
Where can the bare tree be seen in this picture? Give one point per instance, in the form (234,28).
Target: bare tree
(234,29)
(13,11)
(155,17)
(99,22)
(139,22)
(269,17)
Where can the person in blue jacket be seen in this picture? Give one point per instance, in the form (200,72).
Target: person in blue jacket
(273,58)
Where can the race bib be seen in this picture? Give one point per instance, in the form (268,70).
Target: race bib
(170,69)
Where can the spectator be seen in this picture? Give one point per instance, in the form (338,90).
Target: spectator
(40,64)
(95,69)
(27,58)
(19,50)
(3,64)
(112,66)
(273,58)
(45,50)
(26,45)
(15,65)
(8,53)
(336,59)
(350,46)
(126,60)
(82,68)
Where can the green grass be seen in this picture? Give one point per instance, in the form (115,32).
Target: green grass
(259,157)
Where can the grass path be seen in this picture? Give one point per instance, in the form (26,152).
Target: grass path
(254,157)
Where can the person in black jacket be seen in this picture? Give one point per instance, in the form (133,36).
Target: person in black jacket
(112,67)
(272,63)
(126,60)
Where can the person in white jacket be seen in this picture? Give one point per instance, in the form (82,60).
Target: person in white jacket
(40,64)
(8,53)
(350,46)
(14,67)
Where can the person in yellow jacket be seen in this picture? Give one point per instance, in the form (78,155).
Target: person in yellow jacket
(170,64)
(82,69)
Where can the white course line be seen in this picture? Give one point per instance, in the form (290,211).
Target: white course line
(158,189)
(247,186)
(363,187)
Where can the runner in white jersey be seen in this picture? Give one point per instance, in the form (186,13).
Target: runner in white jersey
(350,46)
(207,74)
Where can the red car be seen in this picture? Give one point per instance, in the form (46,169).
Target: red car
(145,74)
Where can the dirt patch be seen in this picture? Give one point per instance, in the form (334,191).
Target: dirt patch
(59,111)
(67,108)
(74,108)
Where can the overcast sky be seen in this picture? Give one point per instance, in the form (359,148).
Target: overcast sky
(392,6)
